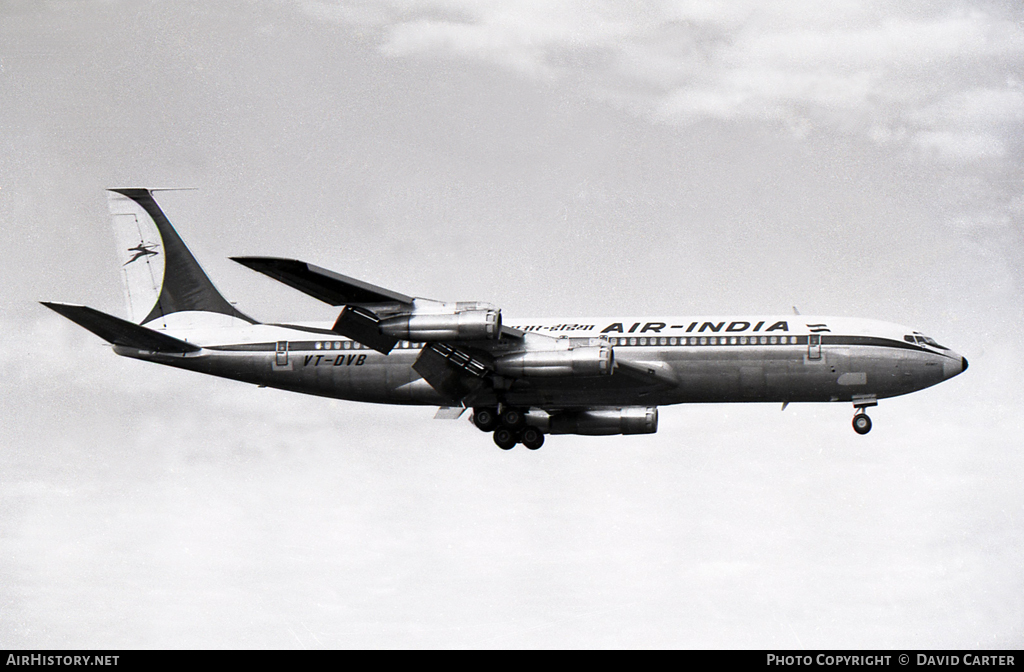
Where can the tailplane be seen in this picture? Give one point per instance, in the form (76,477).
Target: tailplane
(119,332)
(160,275)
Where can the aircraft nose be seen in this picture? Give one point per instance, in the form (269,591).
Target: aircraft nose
(953,367)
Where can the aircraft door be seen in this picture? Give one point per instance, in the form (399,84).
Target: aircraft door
(814,346)
(281,357)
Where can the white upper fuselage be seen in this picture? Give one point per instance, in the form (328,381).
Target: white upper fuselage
(690,359)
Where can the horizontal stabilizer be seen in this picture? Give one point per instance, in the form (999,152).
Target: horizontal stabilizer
(320,283)
(121,332)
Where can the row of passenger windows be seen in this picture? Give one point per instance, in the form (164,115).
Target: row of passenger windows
(641,340)
(353,345)
(706,340)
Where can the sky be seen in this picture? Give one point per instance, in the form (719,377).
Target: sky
(557,159)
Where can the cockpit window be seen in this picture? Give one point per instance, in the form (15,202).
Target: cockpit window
(908,338)
(929,341)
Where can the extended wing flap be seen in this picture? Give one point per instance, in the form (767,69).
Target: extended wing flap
(121,332)
(322,284)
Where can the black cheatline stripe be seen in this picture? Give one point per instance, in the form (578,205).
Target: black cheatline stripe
(754,339)
(870,341)
(245,347)
(720,340)
(294,346)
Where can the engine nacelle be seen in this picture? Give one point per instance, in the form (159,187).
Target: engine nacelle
(469,325)
(628,420)
(594,360)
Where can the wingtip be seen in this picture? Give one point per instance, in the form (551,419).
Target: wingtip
(257,260)
(249,262)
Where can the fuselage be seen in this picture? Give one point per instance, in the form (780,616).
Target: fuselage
(691,360)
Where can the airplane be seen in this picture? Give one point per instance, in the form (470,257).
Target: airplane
(523,381)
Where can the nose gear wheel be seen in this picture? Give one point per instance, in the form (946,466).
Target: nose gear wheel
(861,423)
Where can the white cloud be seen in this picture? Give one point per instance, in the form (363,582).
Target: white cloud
(954,146)
(873,69)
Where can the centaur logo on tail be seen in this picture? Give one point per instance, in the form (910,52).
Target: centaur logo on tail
(549,376)
(141,250)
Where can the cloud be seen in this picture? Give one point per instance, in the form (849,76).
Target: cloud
(888,73)
(956,146)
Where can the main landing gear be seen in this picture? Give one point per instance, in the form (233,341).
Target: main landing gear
(861,421)
(509,427)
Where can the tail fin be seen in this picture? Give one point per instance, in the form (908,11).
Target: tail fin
(160,275)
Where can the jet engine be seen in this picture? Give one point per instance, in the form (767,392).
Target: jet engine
(594,422)
(469,325)
(576,362)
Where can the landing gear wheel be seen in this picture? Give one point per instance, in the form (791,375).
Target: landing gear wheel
(861,423)
(505,438)
(532,438)
(513,418)
(486,419)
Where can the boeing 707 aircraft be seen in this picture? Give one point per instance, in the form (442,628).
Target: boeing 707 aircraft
(523,380)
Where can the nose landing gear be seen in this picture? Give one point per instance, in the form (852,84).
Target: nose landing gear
(861,421)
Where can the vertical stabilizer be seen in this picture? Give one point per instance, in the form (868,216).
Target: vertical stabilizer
(160,275)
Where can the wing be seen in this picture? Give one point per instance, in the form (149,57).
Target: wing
(468,354)
(320,283)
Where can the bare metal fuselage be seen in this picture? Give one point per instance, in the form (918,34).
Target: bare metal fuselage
(788,367)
